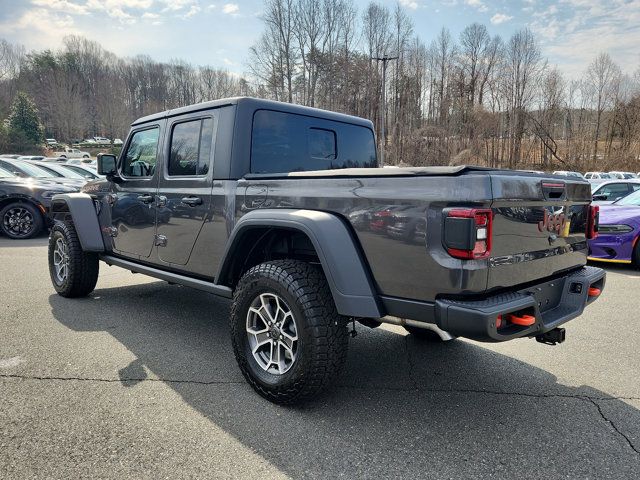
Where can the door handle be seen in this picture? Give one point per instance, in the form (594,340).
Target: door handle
(145,198)
(192,201)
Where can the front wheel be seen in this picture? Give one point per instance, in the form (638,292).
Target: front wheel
(287,335)
(74,272)
(21,220)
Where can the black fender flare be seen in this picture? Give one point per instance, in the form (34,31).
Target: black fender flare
(342,262)
(85,218)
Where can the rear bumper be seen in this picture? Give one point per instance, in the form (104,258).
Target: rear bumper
(552,303)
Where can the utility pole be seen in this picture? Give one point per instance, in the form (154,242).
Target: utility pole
(384,59)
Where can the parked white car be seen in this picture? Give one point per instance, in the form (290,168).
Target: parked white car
(51,142)
(597,176)
(623,175)
(72,153)
(568,173)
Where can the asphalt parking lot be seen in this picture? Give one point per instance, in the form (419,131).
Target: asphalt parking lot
(139,381)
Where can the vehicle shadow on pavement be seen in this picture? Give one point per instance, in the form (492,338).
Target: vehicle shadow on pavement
(400,408)
(38,241)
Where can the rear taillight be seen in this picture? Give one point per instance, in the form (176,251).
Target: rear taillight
(467,232)
(592,221)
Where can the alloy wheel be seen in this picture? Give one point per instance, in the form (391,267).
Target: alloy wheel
(272,333)
(61,260)
(18,221)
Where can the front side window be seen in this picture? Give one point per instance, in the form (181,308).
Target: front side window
(614,190)
(191,147)
(142,154)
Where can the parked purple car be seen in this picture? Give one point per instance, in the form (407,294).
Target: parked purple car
(618,232)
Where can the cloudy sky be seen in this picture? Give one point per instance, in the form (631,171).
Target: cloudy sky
(217,33)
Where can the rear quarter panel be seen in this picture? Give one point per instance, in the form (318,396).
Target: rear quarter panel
(400,266)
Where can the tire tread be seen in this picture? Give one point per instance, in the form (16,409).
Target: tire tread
(83,266)
(325,327)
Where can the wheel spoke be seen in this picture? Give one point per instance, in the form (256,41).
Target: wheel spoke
(251,328)
(272,333)
(261,339)
(287,339)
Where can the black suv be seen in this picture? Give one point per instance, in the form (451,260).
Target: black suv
(24,204)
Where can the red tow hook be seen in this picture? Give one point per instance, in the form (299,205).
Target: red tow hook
(522,320)
(594,292)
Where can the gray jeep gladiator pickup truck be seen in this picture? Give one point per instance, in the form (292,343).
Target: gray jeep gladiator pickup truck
(282,208)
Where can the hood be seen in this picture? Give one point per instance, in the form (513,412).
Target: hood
(35,184)
(70,182)
(616,214)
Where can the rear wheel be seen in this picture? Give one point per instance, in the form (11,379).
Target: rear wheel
(74,272)
(21,220)
(288,338)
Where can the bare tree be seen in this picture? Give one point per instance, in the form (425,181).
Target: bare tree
(524,65)
(602,76)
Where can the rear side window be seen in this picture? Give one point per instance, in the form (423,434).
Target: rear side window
(285,142)
(191,147)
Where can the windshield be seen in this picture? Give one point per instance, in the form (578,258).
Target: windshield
(631,199)
(5,173)
(84,173)
(61,172)
(32,170)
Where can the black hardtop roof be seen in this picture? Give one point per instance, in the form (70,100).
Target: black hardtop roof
(256,104)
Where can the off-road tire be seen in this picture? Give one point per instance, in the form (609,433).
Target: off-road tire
(37,220)
(83,266)
(322,332)
(425,335)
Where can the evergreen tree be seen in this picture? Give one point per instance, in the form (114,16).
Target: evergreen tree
(24,128)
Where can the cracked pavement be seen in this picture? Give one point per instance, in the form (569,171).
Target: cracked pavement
(139,381)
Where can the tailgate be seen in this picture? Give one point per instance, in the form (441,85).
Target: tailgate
(539,227)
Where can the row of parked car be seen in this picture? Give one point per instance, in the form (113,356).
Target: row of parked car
(52,142)
(27,184)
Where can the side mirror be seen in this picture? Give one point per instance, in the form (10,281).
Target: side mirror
(600,198)
(107,164)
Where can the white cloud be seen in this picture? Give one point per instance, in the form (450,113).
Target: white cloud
(499,18)
(230,8)
(577,30)
(62,6)
(173,5)
(409,4)
(150,16)
(45,27)
(192,11)
(477,4)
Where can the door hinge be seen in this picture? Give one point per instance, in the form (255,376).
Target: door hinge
(160,241)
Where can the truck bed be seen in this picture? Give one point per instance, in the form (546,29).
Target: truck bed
(396,215)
